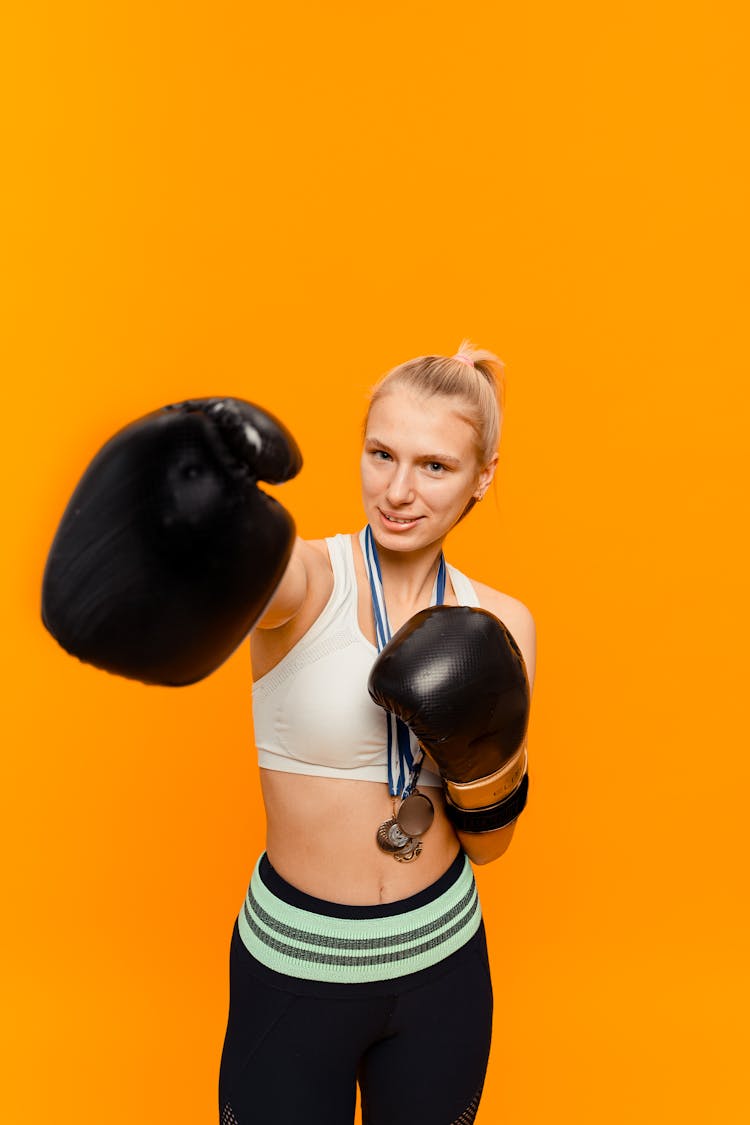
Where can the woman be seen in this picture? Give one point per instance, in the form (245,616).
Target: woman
(341,970)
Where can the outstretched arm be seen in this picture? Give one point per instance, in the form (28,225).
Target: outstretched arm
(290,593)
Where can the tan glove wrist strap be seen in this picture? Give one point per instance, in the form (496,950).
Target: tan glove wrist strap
(493,788)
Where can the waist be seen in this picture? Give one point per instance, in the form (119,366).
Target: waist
(321,836)
(299,935)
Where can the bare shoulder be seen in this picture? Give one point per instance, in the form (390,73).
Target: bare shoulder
(504,606)
(306,583)
(517,619)
(316,548)
(311,554)
(317,562)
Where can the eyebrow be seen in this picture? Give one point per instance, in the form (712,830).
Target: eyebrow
(448,458)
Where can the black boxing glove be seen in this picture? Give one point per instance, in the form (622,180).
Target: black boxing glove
(456,677)
(168,552)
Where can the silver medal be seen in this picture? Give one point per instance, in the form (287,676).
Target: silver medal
(390,837)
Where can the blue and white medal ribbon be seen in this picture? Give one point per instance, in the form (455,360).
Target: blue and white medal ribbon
(404,752)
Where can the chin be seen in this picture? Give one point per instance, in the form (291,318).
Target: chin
(398,541)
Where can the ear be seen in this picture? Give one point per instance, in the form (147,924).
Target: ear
(485,477)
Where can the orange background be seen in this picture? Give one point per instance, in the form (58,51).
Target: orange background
(281,203)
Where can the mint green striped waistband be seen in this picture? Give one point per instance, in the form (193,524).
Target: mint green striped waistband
(313,946)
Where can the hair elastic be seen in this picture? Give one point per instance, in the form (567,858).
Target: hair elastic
(463,359)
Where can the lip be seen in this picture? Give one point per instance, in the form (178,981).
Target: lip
(398,527)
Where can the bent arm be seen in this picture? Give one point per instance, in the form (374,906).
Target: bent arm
(484,847)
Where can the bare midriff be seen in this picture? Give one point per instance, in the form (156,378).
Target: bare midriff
(321,839)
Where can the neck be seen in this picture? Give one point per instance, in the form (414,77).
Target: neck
(409,576)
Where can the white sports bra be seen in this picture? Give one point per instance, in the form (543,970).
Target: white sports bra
(312,712)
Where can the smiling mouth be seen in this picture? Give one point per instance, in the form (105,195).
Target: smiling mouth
(399,519)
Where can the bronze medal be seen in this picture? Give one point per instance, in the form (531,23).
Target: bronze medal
(415,815)
(406,855)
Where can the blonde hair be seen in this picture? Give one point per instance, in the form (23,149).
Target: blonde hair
(473,375)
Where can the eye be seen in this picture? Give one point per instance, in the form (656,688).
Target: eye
(381,455)
(435,466)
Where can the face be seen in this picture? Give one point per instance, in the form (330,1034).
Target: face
(420,468)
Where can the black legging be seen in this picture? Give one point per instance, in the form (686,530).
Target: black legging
(418,1044)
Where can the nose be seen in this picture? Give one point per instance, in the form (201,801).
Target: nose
(400,488)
